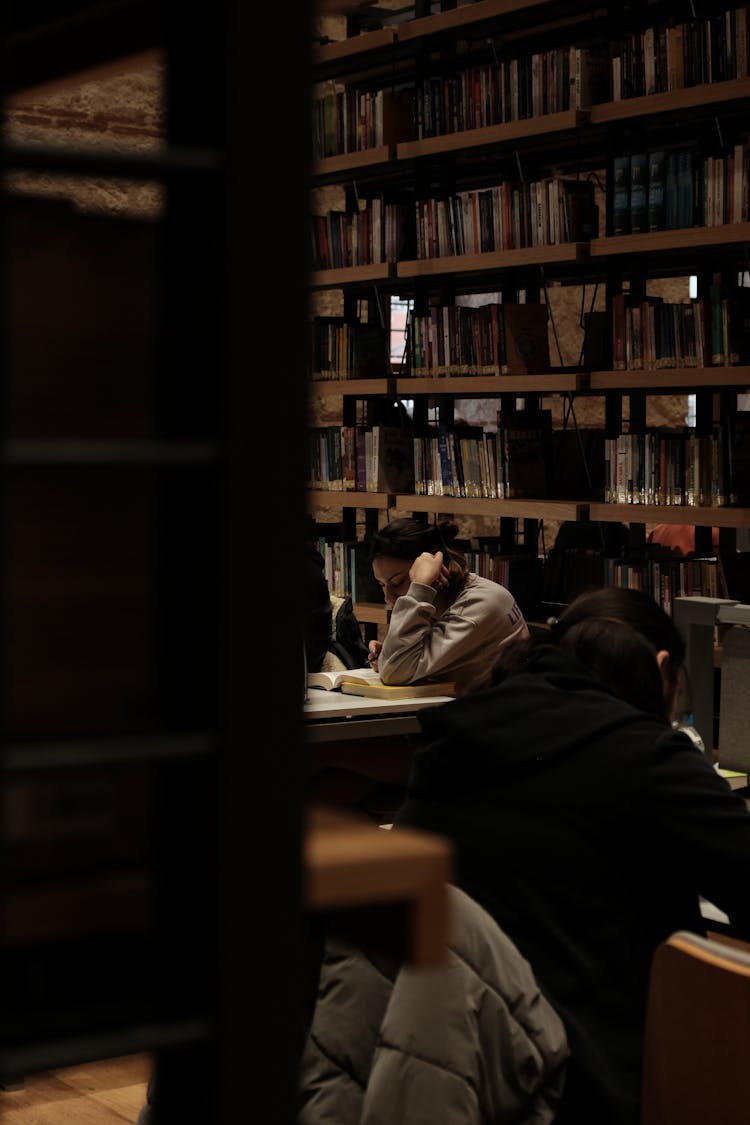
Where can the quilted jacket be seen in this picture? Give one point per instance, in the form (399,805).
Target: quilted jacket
(473,1042)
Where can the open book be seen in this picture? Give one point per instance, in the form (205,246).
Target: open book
(365,681)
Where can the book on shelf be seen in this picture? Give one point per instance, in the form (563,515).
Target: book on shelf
(348,350)
(526,442)
(671,188)
(656,199)
(526,339)
(620,304)
(389,459)
(587,69)
(638,193)
(687,189)
(579,210)
(621,195)
(362,581)
(738,458)
(367,682)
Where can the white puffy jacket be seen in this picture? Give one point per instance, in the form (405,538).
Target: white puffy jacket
(471,1043)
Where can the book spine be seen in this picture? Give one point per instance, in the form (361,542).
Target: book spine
(621,195)
(619,362)
(656,191)
(639,164)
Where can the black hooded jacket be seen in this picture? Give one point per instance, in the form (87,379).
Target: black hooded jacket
(588,829)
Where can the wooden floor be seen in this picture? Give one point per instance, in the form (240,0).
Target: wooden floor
(101,1093)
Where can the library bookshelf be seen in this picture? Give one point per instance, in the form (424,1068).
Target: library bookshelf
(523,93)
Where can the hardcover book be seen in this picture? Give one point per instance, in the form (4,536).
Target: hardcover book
(365,681)
(656,191)
(639,193)
(526,339)
(738,458)
(621,195)
(526,444)
(580,213)
(391,467)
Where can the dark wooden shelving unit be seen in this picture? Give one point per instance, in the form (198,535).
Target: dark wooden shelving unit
(150,871)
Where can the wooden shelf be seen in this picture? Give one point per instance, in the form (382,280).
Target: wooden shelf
(352,161)
(321,498)
(356,45)
(688,238)
(507,133)
(351,275)
(488,385)
(668,513)
(497,509)
(710,93)
(494,260)
(701,378)
(465,16)
(323,388)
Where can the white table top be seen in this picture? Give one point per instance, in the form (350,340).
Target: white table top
(335,705)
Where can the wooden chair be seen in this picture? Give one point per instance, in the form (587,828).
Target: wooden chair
(697,1042)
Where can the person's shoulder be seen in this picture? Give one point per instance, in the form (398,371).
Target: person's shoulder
(488,589)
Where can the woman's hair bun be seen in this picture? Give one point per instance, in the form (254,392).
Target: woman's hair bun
(448,529)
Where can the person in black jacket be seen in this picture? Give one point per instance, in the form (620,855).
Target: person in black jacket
(585,824)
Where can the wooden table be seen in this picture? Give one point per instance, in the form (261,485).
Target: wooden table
(373,739)
(379,887)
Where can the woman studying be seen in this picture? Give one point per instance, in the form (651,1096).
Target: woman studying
(446,623)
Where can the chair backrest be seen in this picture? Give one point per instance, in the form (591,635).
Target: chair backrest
(697,1041)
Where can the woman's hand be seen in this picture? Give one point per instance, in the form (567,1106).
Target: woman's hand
(373,654)
(429,570)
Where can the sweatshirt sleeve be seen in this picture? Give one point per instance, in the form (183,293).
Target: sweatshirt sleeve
(462,642)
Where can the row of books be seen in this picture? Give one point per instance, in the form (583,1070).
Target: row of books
(651,191)
(374,232)
(514,89)
(669,190)
(652,334)
(567,573)
(507,216)
(655,59)
(510,338)
(667,579)
(361,458)
(346,119)
(517,461)
(344,349)
(674,467)
(496,338)
(348,570)
(675,55)
(509,463)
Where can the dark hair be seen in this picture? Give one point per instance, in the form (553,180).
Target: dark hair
(406,538)
(616,634)
(622,659)
(635,608)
